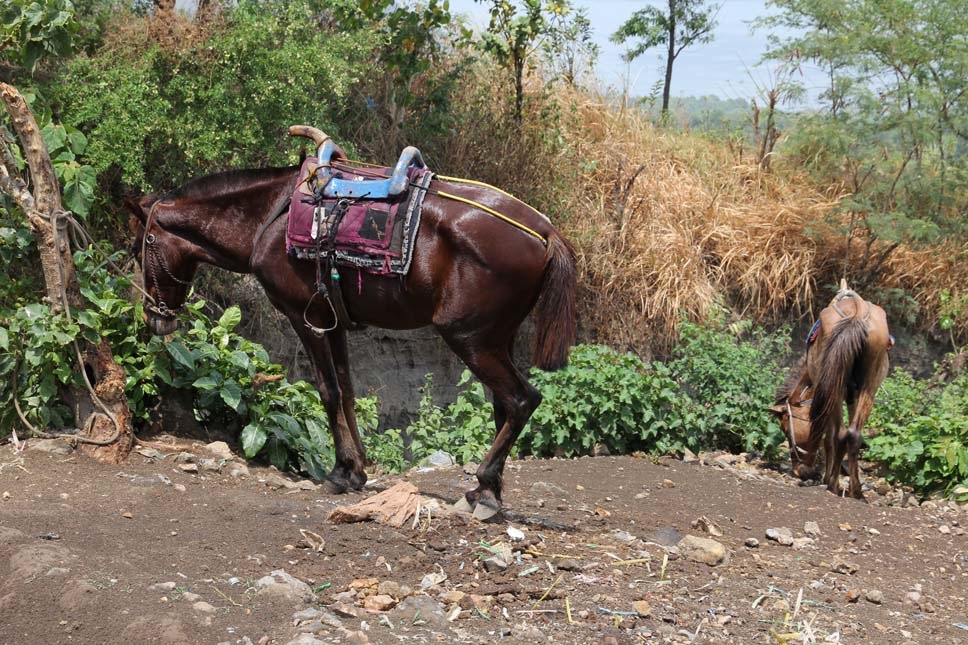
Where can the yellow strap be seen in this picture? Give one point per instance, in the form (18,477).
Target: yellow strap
(489,210)
(495,214)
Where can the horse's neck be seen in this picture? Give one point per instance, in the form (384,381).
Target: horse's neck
(225,229)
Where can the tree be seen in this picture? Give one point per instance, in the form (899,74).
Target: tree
(894,128)
(516,33)
(104,408)
(685,23)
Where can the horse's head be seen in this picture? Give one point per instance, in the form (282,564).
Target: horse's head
(167,263)
(793,413)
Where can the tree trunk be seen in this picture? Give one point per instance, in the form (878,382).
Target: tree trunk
(42,208)
(670,58)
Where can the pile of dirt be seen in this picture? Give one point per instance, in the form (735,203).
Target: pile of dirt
(188,544)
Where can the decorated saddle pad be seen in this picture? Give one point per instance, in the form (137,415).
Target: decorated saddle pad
(376,236)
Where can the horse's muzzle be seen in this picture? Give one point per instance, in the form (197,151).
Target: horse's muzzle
(162,325)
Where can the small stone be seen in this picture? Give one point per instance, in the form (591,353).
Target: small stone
(495,563)
(853,595)
(379,603)
(452,596)
(390,588)
(752,542)
(203,607)
(179,487)
(642,607)
(567,564)
(162,587)
(703,550)
(944,529)
(843,567)
(668,483)
(802,543)
(188,596)
(811,529)
(220,450)
(782,536)
(345,610)
(188,468)
(874,596)
(579,487)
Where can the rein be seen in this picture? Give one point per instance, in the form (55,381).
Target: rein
(153,258)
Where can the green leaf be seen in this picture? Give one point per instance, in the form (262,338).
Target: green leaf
(253,438)
(182,355)
(231,318)
(207,382)
(232,395)
(4,339)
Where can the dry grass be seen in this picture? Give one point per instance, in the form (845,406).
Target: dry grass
(671,226)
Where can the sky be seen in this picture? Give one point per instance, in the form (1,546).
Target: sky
(721,68)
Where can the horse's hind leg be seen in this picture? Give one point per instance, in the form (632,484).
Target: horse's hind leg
(514,401)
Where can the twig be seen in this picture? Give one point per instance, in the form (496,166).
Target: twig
(621,563)
(219,592)
(568,610)
(547,591)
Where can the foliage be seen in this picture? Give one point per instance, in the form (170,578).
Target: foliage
(688,22)
(923,433)
(35,29)
(731,371)
(613,399)
(464,429)
(234,383)
(894,122)
(162,111)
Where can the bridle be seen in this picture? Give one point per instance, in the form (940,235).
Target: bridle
(152,259)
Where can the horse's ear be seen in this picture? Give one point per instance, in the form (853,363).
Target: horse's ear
(779,409)
(140,207)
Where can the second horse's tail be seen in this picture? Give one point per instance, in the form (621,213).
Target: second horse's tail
(837,364)
(555,311)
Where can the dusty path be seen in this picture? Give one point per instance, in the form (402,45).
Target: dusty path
(151,552)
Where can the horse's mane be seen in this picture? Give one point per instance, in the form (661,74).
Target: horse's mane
(227,181)
(786,388)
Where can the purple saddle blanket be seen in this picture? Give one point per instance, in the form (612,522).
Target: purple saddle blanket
(376,236)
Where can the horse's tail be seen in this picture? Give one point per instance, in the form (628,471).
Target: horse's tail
(840,355)
(555,310)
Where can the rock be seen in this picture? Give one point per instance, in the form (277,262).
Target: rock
(706,525)
(345,610)
(281,584)
(184,458)
(439,459)
(843,567)
(545,489)
(203,607)
(525,633)
(220,450)
(417,608)
(642,607)
(393,589)
(874,596)
(495,563)
(51,446)
(567,564)
(852,595)
(665,536)
(188,468)
(811,529)
(306,639)
(667,483)
(802,543)
(452,596)
(752,542)
(380,602)
(782,536)
(162,587)
(237,470)
(703,550)
(188,596)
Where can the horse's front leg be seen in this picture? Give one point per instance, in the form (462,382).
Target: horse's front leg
(347,472)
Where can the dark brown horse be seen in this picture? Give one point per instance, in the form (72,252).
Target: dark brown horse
(473,276)
(846,362)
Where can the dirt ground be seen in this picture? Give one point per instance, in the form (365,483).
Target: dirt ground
(175,546)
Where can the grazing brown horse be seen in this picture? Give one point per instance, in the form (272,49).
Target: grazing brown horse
(846,362)
(473,277)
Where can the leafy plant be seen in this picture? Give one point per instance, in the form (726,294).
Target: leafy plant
(609,398)
(731,372)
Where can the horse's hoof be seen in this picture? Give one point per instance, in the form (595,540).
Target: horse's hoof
(331,487)
(483,512)
(463,506)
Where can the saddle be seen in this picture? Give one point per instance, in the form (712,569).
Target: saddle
(336,182)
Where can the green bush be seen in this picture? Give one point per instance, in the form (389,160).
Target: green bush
(464,429)
(234,383)
(609,398)
(732,373)
(922,435)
